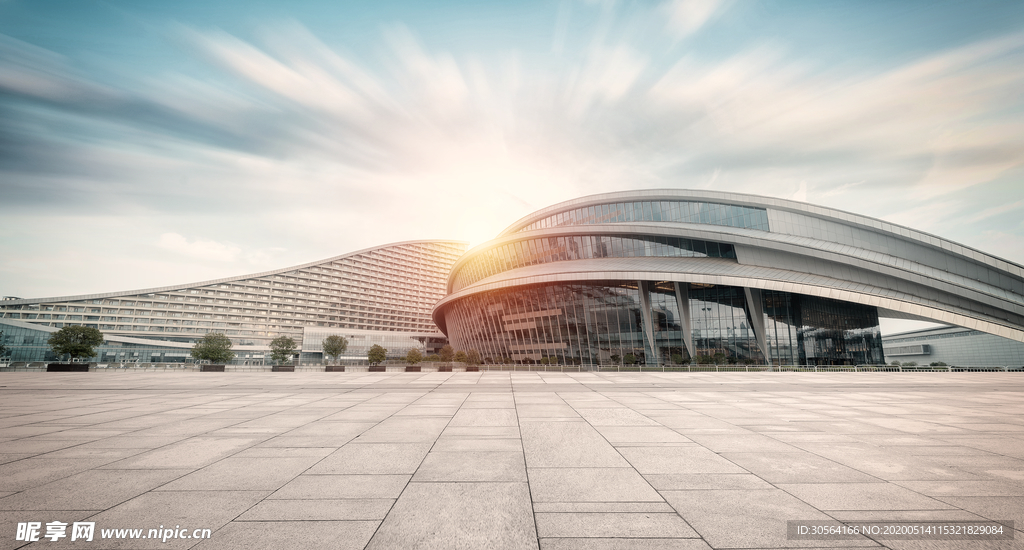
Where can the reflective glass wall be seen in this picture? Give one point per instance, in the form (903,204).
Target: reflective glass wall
(605,323)
(583,247)
(659,211)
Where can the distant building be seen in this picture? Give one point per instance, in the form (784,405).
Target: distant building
(955,346)
(381,295)
(662,276)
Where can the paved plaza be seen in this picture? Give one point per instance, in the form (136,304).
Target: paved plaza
(505,460)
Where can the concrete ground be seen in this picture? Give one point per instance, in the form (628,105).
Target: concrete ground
(506,460)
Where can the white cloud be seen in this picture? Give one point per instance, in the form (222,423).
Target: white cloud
(687,16)
(201,249)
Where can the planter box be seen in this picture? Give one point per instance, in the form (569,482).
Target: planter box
(378,369)
(472,369)
(444,369)
(412,369)
(211,368)
(282,368)
(67,367)
(335,368)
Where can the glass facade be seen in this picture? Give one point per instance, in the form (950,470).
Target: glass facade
(398,344)
(709,213)
(529,252)
(604,323)
(30,345)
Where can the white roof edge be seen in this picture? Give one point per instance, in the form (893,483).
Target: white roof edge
(760,201)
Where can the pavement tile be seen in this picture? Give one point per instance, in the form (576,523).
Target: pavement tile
(243,474)
(861,496)
(485,417)
(451,444)
(90,490)
(716,444)
(283,452)
(459,515)
(590,485)
(626,507)
(568,445)
(691,459)
(705,482)
(748,518)
(546,411)
(193,453)
(505,432)
(641,434)
(964,488)
(404,430)
(615,417)
(33,472)
(328,487)
(797,467)
(472,466)
(189,509)
(373,458)
(349,509)
(300,535)
(622,544)
(612,525)
(745,443)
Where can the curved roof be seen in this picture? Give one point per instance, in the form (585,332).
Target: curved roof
(154,290)
(807,249)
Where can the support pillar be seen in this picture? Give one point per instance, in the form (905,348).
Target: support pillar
(647,320)
(755,310)
(685,325)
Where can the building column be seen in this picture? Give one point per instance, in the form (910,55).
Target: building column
(755,309)
(683,303)
(647,320)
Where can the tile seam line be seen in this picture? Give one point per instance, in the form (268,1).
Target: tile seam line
(418,466)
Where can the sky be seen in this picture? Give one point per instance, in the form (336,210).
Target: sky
(157,143)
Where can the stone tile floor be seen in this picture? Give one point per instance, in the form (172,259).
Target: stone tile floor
(507,460)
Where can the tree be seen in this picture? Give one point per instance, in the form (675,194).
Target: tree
(447,353)
(282,348)
(334,346)
(472,357)
(433,358)
(460,357)
(76,341)
(414,356)
(377,354)
(545,361)
(629,359)
(215,347)
(3,348)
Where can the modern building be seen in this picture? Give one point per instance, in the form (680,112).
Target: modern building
(953,346)
(381,295)
(663,276)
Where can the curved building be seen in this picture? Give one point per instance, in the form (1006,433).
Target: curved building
(379,295)
(663,276)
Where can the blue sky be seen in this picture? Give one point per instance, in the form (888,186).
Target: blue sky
(152,143)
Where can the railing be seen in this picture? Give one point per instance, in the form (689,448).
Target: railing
(427,367)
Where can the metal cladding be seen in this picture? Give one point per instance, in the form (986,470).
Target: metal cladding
(661,275)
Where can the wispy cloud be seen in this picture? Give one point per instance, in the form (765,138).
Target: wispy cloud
(305,146)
